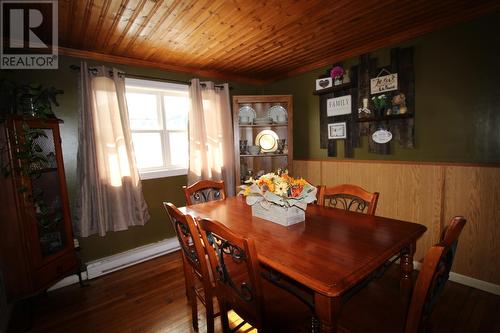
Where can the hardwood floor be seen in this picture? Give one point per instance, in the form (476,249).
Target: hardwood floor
(150,297)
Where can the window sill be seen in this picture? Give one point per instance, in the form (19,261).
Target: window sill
(162,173)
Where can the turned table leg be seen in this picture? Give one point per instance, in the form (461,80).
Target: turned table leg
(406,263)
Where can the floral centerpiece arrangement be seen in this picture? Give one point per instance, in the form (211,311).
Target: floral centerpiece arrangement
(278,197)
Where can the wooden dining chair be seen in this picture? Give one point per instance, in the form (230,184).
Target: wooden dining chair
(433,275)
(236,273)
(195,265)
(240,287)
(203,191)
(382,303)
(348,197)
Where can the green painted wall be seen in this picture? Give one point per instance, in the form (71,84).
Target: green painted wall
(155,191)
(457,116)
(457,73)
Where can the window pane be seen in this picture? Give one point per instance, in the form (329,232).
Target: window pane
(178,148)
(176,111)
(143,111)
(148,150)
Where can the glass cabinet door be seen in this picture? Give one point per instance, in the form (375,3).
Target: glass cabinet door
(46,196)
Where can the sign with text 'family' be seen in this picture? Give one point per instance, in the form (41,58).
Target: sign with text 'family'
(384,83)
(338,106)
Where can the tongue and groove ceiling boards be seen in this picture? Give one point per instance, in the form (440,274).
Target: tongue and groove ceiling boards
(252,41)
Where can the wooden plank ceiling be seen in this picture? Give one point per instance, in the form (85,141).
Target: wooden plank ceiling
(253,41)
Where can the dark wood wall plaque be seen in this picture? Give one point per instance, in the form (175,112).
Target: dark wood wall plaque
(399,124)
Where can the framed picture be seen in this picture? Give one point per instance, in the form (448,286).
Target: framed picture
(337,131)
(338,106)
(324,83)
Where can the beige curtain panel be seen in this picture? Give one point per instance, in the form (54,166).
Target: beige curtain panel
(109,188)
(210,134)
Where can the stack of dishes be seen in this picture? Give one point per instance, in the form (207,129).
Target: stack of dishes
(263,121)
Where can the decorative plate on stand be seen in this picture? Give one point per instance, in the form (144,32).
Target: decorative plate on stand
(278,114)
(247,112)
(267,140)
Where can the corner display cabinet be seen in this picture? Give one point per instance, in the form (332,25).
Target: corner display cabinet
(263,140)
(36,241)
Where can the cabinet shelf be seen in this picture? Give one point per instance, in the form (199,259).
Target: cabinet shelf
(263,155)
(45,170)
(384,118)
(339,87)
(267,125)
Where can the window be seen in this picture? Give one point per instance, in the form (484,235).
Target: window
(158,115)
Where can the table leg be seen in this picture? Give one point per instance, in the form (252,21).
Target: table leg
(328,311)
(406,263)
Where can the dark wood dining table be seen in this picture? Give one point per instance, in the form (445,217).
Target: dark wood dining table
(329,253)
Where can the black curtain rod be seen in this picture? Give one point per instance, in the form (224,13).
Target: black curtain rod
(134,76)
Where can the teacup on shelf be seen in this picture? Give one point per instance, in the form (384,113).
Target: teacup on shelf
(254,150)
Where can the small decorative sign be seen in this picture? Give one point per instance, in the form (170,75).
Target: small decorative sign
(323,83)
(384,83)
(338,106)
(382,136)
(337,131)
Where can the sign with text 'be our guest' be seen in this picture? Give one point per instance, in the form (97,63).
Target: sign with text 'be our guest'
(338,106)
(384,83)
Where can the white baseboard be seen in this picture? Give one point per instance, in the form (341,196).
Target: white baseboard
(121,260)
(470,282)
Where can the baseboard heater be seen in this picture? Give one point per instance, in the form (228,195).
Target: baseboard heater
(122,260)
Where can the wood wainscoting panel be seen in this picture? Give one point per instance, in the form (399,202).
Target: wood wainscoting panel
(474,192)
(408,192)
(309,170)
(431,194)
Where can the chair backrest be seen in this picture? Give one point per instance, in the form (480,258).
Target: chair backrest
(189,240)
(203,191)
(433,276)
(348,197)
(236,271)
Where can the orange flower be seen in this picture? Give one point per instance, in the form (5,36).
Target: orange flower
(296,190)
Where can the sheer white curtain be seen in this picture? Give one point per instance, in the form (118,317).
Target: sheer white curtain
(109,189)
(211,146)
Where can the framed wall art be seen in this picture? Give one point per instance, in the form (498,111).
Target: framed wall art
(337,131)
(338,106)
(324,83)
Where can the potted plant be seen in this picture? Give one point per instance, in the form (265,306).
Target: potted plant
(27,99)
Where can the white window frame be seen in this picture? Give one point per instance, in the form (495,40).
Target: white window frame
(140,85)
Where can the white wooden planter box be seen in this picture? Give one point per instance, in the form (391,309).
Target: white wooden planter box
(282,215)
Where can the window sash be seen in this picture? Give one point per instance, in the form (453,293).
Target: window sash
(167,169)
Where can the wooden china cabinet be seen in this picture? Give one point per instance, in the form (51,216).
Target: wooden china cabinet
(36,241)
(265,121)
